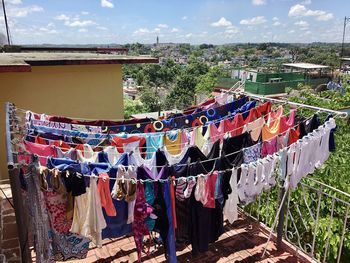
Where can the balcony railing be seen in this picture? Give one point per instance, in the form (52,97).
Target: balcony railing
(315,219)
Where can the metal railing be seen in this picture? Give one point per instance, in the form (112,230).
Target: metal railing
(315,219)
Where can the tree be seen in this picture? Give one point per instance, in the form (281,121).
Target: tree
(132,107)
(207,82)
(150,100)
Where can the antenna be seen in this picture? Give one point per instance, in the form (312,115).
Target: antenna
(6,24)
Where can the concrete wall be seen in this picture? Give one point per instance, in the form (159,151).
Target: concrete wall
(85,91)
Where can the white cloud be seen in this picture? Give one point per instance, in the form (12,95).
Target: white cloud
(301,23)
(156,30)
(253,21)
(15,11)
(107,4)
(162,26)
(84,13)
(14,2)
(184,18)
(325,17)
(48,30)
(74,21)
(306,2)
(299,10)
(223,22)
(78,23)
(174,30)
(291,31)
(259,2)
(62,17)
(142,31)
(275,18)
(102,28)
(277,23)
(231,30)
(188,35)
(82,30)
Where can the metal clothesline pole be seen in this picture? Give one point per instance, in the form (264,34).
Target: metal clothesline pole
(296,104)
(20,212)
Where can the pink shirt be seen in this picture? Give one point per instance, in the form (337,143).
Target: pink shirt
(41,150)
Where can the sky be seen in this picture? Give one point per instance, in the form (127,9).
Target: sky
(180,21)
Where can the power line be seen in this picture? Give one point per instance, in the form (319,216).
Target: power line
(6,23)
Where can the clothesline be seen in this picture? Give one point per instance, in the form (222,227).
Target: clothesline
(184,164)
(227,117)
(295,104)
(150,147)
(145,122)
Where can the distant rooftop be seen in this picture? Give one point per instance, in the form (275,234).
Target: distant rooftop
(305,65)
(345,59)
(22,62)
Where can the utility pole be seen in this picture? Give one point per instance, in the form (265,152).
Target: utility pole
(6,24)
(346,20)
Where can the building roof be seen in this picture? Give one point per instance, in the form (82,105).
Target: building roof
(305,65)
(22,62)
(345,59)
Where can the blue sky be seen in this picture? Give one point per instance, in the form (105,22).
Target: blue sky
(189,21)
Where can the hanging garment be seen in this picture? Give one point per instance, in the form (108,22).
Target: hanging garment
(283,140)
(274,116)
(170,241)
(39,216)
(109,155)
(62,153)
(88,219)
(254,128)
(293,135)
(172,142)
(43,151)
(87,155)
(105,196)
(128,144)
(242,183)
(232,148)
(200,191)
(154,141)
(269,147)
(175,158)
(139,226)
(287,122)
(149,125)
(231,205)
(237,125)
(210,186)
(215,132)
(269,132)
